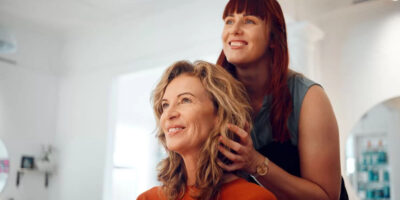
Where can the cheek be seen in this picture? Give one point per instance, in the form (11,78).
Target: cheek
(224,35)
(262,44)
(210,122)
(162,122)
(266,37)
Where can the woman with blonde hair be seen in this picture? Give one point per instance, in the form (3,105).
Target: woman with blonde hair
(195,105)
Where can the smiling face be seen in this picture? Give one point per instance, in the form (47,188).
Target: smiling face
(188,114)
(245,38)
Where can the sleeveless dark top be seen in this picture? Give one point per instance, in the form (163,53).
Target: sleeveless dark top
(285,155)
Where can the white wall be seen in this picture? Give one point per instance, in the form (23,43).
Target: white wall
(394,148)
(359,60)
(28,103)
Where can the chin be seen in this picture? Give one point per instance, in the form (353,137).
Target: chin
(174,148)
(237,62)
(236,59)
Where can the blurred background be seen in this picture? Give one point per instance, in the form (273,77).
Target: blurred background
(76,77)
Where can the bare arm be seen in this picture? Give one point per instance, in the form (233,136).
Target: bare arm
(318,152)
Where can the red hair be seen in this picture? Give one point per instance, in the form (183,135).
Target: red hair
(281,105)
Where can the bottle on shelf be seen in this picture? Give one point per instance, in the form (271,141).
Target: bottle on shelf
(373,171)
(366,157)
(382,155)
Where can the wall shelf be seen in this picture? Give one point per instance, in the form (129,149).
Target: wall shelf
(23,171)
(372,169)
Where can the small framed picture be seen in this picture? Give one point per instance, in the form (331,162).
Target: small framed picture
(27,162)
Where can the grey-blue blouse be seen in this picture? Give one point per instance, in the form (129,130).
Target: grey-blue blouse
(285,155)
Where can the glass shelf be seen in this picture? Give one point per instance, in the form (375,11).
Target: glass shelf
(371,174)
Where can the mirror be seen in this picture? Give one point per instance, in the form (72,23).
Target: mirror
(371,152)
(4,165)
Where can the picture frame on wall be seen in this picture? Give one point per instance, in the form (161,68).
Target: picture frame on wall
(27,162)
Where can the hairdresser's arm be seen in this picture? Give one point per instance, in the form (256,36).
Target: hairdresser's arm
(318,151)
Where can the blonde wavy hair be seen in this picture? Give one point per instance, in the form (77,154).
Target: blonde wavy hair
(231,106)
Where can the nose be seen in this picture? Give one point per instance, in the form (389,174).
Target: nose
(172,113)
(236,29)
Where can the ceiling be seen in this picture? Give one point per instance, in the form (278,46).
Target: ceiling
(67,14)
(73,14)
(310,9)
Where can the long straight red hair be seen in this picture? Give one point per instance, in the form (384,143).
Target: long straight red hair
(278,68)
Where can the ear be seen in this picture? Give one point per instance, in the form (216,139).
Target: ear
(216,119)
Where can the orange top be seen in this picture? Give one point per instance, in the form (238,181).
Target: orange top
(238,189)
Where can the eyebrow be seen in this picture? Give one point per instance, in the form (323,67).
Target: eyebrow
(181,94)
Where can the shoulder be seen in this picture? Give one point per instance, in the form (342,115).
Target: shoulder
(154,193)
(300,87)
(243,190)
(316,108)
(314,100)
(317,121)
(299,84)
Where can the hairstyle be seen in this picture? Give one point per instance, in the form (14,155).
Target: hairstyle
(231,106)
(281,105)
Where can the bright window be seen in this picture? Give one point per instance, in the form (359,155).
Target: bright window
(136,149)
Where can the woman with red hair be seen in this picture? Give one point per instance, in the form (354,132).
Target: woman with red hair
(293,148)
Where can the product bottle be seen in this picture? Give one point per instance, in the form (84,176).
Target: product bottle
(382,156)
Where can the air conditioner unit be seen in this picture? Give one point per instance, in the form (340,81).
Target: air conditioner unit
(359,1)
(8,43)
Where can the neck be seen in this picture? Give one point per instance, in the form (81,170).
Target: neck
(191,168)
(254,77)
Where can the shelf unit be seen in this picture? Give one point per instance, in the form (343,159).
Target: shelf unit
(22,171)
(372,169)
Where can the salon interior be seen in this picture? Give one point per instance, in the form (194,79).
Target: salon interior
(75,80)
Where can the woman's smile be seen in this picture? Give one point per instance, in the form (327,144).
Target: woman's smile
(188,114)
(175,130)
(246,33)
(237,44)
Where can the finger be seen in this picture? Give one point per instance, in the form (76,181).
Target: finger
(231,144)
(247,127)
(232,167)
(243,135)
(231,156)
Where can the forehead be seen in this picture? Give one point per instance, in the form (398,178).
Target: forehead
(185,83)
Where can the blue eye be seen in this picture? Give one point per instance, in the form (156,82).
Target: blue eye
(186,100)
(229,21)
(249,21)
(164,105)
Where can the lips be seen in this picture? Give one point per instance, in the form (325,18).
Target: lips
(173,130)
(237,43)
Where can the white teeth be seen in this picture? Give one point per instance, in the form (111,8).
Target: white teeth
(174,129)
(237,44)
